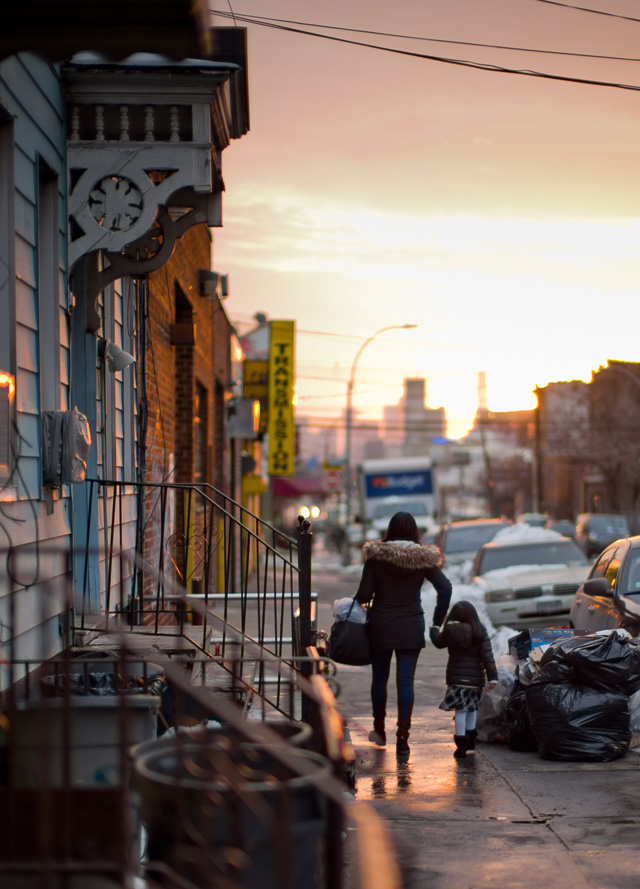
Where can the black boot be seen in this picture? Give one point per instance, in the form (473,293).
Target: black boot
(461,746)
(471,736)
(402,743)
(378,735)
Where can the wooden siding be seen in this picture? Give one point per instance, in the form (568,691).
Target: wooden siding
(30,93)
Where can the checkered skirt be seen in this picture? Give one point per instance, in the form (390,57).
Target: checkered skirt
(461,697)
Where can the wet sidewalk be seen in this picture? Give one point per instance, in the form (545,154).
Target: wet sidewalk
(495,818)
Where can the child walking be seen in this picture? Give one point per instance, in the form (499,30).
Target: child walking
(470,658)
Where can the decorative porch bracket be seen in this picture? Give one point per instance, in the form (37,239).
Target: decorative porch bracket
(148,253)
(144,147)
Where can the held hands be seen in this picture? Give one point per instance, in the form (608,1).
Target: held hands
(492,684)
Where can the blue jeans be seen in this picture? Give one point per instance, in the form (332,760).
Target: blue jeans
(406,661)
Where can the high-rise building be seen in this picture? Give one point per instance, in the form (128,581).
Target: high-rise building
(421,424)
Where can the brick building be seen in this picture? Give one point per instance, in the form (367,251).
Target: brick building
(188,370)
(186,379)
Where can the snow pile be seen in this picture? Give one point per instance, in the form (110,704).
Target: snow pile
(506,574)
(522,531)
(474,594)
(459,573)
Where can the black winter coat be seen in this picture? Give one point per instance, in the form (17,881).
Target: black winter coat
(469,658)
(392,578)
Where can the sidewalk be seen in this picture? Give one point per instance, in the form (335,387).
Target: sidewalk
(497,818)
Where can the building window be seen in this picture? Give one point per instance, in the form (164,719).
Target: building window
(201,434)
(117,402)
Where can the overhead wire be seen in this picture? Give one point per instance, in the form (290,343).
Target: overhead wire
(464,63)
(258,19)
(614,15)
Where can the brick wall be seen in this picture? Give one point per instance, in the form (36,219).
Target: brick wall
(174,369)
(188,368)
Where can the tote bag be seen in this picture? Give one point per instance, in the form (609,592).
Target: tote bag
(349,642)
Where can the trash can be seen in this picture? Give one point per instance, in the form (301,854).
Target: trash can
(215,810)
(90,733)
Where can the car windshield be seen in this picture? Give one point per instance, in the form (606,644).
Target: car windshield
(561,552)
(471,538)
(389,509)
(610,524)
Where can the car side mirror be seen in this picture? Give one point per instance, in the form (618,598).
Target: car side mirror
(598,586)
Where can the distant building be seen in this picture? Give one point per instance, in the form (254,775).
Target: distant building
(503,442)
(562,447)
(421,424)
(588,444)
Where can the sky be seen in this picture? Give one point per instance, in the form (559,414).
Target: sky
(498,212)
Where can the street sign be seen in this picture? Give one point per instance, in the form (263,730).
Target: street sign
(332,479)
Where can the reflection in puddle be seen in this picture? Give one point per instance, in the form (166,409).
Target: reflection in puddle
(379,786)
(402,781)
(404,775)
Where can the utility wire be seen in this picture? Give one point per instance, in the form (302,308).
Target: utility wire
(613,15)
(463,63)
(263,19)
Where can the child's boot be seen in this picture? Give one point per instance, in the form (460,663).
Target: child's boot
(461,746)
(471,736)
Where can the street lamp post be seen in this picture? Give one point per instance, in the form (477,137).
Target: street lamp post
(349,425)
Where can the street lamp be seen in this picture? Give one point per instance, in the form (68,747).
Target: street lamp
(349,419)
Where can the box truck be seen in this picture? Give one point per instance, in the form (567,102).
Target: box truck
(400,484)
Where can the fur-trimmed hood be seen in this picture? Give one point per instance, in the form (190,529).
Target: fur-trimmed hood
(403,554)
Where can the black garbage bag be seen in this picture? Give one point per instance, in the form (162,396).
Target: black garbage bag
(575,723)
(519,732)
(602,662)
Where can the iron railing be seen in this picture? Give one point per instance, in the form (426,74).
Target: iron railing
(162,636)
(165,547)
(103,784)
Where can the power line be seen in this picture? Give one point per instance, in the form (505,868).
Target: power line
(463,63)
(264,19)
(613,15)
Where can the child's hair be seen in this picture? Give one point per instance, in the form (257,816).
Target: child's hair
(465,613)
(403,527)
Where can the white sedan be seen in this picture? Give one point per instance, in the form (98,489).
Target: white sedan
(528,583)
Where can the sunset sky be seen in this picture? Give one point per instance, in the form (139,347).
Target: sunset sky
(499,212)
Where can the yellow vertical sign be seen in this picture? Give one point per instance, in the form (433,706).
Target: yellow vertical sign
(281,381)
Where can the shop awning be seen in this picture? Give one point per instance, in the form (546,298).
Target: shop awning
(284,486)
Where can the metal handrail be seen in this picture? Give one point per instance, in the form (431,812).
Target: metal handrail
(257,582)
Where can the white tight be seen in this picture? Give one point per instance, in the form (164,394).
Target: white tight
(465,721)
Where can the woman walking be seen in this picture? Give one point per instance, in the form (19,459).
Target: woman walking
(392,577)
(470,658)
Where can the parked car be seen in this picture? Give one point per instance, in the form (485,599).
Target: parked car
(561,526)
(529,583)
(595,531)
(460,541)
(610,596)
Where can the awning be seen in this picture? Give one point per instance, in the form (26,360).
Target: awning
(57,30)
(283,486)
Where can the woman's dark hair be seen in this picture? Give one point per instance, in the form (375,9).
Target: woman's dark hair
(403,527)
(465,613)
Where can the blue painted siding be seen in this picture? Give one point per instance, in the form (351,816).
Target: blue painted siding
(30,95)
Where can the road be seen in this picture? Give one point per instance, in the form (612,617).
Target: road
(498,818)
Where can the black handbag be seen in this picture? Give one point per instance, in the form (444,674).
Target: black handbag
(349,642)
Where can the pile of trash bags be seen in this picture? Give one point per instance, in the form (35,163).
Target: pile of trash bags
(579,701)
